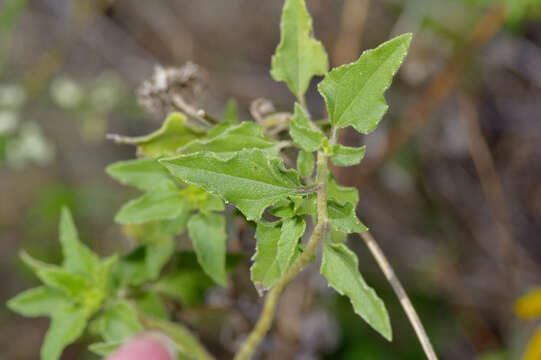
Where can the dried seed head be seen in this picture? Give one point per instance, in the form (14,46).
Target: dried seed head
(158,93)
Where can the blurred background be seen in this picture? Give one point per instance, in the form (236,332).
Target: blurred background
(450,187)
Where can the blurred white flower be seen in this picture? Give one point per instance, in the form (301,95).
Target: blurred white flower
(66,92)
(30,146)
(8,121)
(11,96)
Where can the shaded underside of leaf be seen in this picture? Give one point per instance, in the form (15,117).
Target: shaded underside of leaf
(265,269)
(291,231)
(208,234)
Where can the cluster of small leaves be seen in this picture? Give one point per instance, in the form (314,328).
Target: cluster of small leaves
(186,173)
(105,296)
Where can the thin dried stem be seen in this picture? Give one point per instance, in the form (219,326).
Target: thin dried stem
(389,273)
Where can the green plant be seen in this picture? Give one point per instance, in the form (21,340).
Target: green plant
(187,170)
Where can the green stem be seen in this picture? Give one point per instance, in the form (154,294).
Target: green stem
(267,315)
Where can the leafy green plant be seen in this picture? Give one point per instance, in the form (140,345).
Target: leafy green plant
(188,169)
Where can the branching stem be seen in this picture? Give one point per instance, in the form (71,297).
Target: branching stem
(267,315)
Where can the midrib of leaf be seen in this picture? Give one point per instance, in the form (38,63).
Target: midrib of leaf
(208,172)
(358,95)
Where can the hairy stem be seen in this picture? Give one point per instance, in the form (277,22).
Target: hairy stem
(400,293)
(267,315)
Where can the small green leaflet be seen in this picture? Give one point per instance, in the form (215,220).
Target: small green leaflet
(144,173)
(55,277)
(265,269)
(298,56)
(340,267)
(39,301)
(354,92)
(246,135)
(250,179)
(208,234)
(67,325)
(347,156)
(343,218)
(78,258)
(164,141)
(302,131)
(231,115)
(165,202)
(291,231)
(341,194)
(72,293)
(305,163)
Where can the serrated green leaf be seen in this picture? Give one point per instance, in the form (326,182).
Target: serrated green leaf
(70,284)
(343,218)
(161,203)
(77,257)
(291,231)
(305,163)
(298,56)
(144,173)
(354,92)
(347,156)
(231,115)
(250,179)
(39,301)
(305,135)
(208,234)
(340,267)
(245,135)
(104,349)
(67,325)
(165,141)
(119,322)
(341,194)
(265,269)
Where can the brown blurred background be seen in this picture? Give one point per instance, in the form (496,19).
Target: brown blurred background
(450,187)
